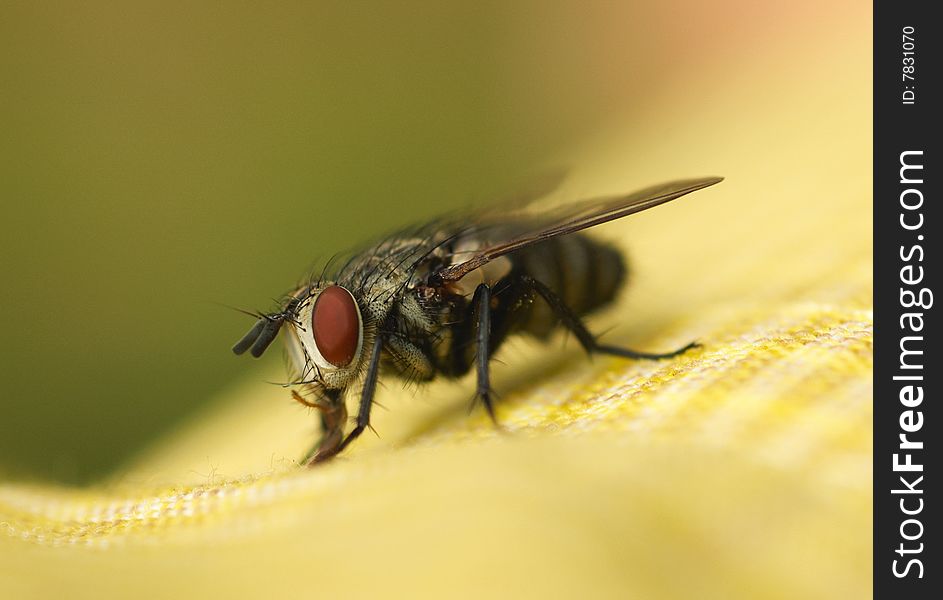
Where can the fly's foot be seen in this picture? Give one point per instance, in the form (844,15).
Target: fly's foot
(327,448)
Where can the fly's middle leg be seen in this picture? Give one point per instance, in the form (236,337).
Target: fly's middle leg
(589,342)
(481,302)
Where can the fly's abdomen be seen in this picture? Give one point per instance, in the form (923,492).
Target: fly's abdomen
(586,273)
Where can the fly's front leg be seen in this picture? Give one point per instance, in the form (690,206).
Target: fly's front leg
(482,303)
(333,413)
(587,339)
(366,403)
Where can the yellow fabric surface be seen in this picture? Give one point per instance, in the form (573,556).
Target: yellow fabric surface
(742,469)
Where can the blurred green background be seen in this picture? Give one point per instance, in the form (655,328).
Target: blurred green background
(157,158)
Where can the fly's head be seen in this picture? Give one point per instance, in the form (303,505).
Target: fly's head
(326,341)
(324,330)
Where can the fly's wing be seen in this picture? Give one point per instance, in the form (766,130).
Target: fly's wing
(534,188)
(573,218)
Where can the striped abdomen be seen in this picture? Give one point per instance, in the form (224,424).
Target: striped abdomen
(586,273)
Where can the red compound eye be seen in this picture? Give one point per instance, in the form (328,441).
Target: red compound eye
(336,325)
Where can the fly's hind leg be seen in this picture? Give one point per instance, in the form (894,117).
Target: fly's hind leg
(629,353)
(587,339)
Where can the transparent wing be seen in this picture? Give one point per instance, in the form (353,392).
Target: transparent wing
(572,218)
(533,188)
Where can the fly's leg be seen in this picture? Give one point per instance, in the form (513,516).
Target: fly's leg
(366,396)
(363,413)
(587,339)
(333,415)
(481,301)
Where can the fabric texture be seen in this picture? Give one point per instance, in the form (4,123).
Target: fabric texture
(740,469)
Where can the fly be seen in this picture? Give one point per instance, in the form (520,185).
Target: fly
(440,299)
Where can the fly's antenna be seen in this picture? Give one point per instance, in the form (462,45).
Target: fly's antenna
(260,337)
(265,330)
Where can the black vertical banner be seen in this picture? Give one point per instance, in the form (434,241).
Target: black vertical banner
(908,368)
